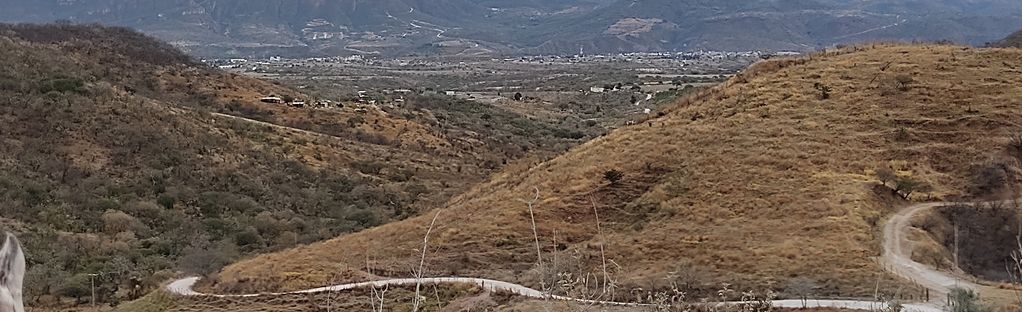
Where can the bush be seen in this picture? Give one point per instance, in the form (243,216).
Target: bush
(249,239)
(167,201)
(966,300)
(904,81)
(567,134)
(77,286)
(613,176)
(824,90)
(1015,146)
(62,85)
(990,179)
(206,261)
(367,167)
(116,221)
(364,218)
(906,186)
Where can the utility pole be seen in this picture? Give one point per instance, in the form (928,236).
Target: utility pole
(92,280)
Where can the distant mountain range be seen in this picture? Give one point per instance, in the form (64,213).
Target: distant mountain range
(487,27)
(1012,41)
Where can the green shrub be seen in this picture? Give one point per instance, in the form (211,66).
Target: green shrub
(167,201)
(613,176)
(62,85)
(966,300)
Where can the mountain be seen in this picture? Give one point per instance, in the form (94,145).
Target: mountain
(766,181)
(665,25)
(467,27)
(1012,41)
(120,154)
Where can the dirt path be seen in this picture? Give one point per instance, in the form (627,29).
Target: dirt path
(896,258)
(184,287)
(274,126)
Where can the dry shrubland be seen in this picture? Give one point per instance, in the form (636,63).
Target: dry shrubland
(759,181)
(114,162)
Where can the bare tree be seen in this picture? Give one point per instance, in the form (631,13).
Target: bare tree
(439,303)
(802,287)
(422,263)
(1014,267)
(376,300)
(535,234)
(603,255)
(332,296)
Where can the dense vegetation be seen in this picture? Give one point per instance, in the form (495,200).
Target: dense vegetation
(100,181)
(984,236)
(112,162)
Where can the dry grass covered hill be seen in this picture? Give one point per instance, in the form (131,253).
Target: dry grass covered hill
(114,159)
(761,181)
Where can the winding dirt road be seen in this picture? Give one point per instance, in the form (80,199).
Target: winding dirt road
(897,255)
(896,258)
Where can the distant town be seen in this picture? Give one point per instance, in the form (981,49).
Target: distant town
(681,59)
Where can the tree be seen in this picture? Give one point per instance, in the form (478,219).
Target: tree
(116,221)
(801,287)
(43,279)
(906,186)
(205,261)
(77,287)
(886,174)
(249,238)
(613,176)
(689,276)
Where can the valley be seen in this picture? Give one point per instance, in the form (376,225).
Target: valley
(638,225)
(567,155)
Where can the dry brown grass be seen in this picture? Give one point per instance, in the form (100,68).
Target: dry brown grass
(396,299)
(758,180)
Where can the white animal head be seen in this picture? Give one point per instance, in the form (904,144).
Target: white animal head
(12,274)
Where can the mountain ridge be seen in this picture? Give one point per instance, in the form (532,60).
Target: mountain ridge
(464,27)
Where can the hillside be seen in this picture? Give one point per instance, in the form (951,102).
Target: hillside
(668,25)
(263,28)
(1012,41)
(120,155)
(764,182)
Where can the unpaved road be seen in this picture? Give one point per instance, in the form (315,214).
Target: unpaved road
(897,255)
(184,287)
(896,258)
